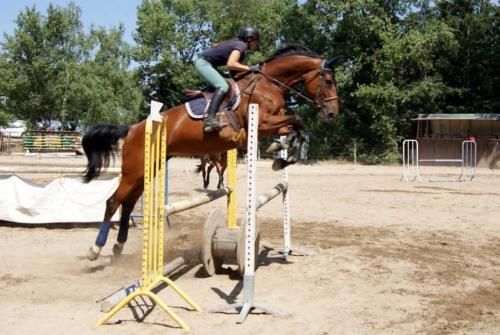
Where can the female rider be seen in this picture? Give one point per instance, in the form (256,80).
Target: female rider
(229,53)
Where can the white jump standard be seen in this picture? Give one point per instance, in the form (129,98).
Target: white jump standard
(248,303)
(411,161)
(287,249)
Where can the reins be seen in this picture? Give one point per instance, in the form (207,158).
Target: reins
(319,103)
(316,102)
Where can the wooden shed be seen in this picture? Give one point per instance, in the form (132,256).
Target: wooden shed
(440,136)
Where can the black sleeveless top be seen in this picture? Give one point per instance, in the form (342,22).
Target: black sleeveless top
(219,54)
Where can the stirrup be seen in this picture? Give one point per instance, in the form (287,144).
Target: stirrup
(211,125)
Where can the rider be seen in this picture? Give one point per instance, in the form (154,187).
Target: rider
(229,53)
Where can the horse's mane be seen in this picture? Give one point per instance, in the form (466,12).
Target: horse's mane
(291,50)
(286,51)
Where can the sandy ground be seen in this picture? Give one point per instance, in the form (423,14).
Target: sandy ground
(386,257)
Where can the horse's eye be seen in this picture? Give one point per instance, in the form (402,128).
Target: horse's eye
(329,81)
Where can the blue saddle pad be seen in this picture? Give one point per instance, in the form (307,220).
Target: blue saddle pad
(197,107)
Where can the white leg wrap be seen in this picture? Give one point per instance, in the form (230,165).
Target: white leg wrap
(93,252)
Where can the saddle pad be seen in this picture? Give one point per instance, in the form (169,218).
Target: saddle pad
(197,107)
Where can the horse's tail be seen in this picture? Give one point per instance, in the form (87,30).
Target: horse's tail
(100,143)
(205,159)
(199,168)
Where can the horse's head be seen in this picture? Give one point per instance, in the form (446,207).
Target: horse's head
(321,86)
(294,64)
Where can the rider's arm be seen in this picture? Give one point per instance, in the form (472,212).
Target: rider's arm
(233,62)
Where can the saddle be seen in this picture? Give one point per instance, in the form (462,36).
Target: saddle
(198,100)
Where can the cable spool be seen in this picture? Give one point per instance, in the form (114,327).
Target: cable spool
(222,245)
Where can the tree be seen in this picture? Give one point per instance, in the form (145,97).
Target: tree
(52,70)
(403,58)
(102,89)
(356,30)
(30,61)
(475,67)
(171,34)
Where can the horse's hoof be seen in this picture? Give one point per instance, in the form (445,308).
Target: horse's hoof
(93,253)
(279,164)
(117,249)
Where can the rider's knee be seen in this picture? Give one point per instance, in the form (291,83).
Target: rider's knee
(224,87)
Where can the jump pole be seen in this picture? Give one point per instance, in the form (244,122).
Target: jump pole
(251,209)
(155,156)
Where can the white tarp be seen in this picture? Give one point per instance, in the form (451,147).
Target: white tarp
(63,200)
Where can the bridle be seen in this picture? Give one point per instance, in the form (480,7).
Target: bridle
(317,102)
(320,103)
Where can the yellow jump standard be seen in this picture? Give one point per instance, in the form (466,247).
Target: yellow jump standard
(154,213)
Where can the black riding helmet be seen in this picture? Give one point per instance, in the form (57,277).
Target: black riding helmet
(249,32)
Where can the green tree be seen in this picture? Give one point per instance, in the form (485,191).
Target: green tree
(408,81)
(171,34)
(29,66)
(102,88)
(403,58)
(475,68)
(356,30)
(52,70)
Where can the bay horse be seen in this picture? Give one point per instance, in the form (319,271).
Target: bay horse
(279,74)
(207,163)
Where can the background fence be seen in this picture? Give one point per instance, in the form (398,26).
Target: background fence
(51,141)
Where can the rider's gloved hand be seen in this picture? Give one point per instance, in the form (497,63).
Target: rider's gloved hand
(254,68)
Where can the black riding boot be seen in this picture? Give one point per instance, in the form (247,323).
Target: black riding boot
(211,123)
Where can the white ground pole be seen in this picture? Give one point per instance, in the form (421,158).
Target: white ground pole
(251,209)
(287,249)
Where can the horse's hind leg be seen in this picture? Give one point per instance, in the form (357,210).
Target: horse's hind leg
(125,188)
(127,208)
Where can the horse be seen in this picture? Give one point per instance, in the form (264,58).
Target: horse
(219,161)
(278,75)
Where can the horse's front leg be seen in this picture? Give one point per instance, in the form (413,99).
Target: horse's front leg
(220,172)
(295,148)
(209,170)
(280,125)
(293,145)
(283,125)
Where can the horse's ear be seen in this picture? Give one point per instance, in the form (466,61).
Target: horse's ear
(331,62)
